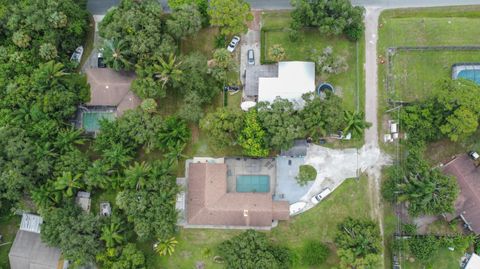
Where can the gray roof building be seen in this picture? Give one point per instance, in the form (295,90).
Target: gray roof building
(28,251)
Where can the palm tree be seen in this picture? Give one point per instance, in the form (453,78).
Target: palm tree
(168,71)
(137,175)
(68,183)
(97,175)
(51,73)
(165,247)
(355,123)
(67,138)
(117,155)
(173,130)
(115,55)
(112,235)
(45,196)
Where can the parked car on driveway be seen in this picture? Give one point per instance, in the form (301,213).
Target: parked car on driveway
(319,197)
(100,62)
(233,44)
(250,57)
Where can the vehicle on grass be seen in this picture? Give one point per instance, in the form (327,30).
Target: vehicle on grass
(474,155)
(250,57)
(77,55)
(319,197)
(233,44)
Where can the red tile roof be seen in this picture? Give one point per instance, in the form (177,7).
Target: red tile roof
(468,178)
(209,203)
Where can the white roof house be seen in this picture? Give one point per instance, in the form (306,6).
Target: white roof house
(473,262)
(294,79)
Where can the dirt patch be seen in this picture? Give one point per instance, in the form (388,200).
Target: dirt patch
(255,23)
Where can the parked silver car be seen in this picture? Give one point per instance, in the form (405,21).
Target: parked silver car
(250,57)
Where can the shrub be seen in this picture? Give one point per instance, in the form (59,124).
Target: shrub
(422,247)
(314,253)
(307,173)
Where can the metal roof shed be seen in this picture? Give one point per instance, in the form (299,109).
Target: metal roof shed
(28,251)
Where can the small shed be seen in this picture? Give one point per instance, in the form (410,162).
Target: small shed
(83,200)
(28,251)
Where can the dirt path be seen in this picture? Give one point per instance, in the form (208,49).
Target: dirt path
(371,108)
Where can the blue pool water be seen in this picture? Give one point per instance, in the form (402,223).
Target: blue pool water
(470,74)
(253,183)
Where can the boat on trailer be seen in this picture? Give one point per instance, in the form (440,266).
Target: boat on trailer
(77,55)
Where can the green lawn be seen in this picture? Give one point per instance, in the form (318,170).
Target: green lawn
(346,83)
(417,73)
(442,259)
(8,228)
(320,223)
(203,42)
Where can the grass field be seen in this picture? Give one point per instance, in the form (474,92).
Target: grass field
(320,223)
(417,73)
(346,83)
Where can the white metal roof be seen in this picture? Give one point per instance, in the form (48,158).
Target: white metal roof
(473,262)
(31,223)
(294,79)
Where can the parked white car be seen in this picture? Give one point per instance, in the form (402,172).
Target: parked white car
(233,44)
(319,197)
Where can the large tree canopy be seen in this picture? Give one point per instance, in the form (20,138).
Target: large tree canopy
(141,26)
(358,243)
(252,250)
(425,190)
(282,123)
(454,111)
(330,16)
(231,16)
(75,232)
(149,202)
(33,31)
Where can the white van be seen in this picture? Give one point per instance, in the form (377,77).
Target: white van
(319,197)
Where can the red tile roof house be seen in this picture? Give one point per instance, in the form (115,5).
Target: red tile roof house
(467,205)
(209,205)
(111,88)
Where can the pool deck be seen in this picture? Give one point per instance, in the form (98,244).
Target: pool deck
(287,187)
(248,166)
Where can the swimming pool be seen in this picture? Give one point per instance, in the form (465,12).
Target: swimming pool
(91,119)
(253,183)
(467,71)
(473,74)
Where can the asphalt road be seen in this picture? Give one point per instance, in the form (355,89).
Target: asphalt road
(99,7)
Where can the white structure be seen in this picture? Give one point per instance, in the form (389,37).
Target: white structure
(294,79)
(29,252)
(473,262)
